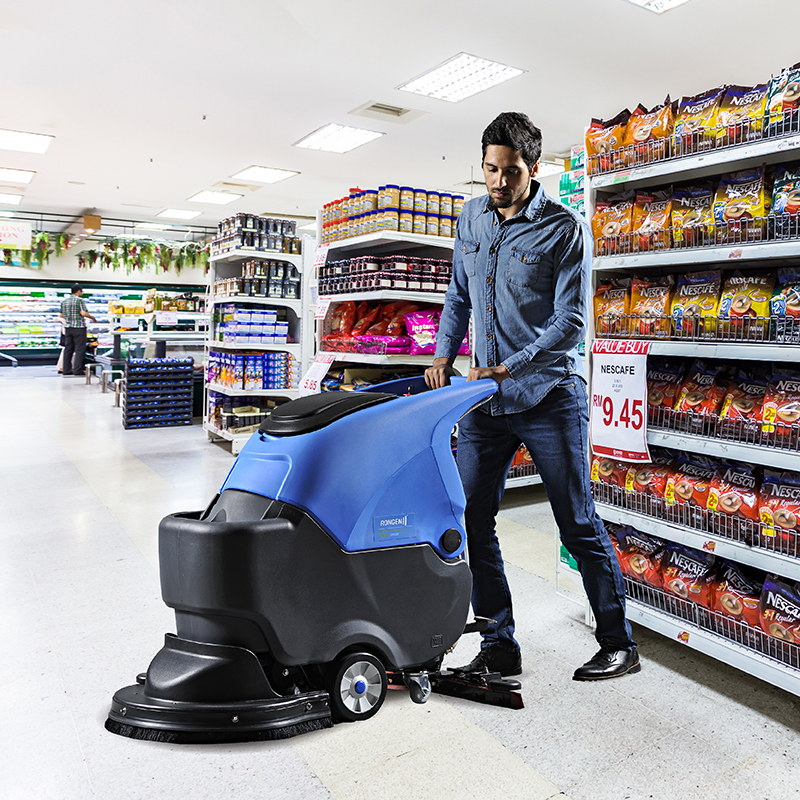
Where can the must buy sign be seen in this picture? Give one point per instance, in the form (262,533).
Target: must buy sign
(15,234)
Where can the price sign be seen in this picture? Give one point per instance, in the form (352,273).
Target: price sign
(310,384)
(618,421)
(321,256)
(323,304)
(167,317)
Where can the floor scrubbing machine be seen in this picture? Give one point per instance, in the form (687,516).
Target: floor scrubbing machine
(332,555)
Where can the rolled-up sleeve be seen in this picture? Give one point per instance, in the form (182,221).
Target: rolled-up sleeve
(572,257)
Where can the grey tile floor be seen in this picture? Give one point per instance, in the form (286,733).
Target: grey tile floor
(81,614)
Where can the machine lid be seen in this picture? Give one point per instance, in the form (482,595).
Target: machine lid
(311,413)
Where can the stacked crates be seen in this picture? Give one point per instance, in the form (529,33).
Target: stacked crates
(158,392)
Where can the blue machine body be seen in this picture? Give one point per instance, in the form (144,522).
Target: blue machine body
(383,476)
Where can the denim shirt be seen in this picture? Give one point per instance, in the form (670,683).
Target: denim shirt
(526,281)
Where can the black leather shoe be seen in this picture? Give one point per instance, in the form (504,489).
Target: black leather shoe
(494,659)
(609,663)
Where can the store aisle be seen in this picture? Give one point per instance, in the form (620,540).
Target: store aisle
(82,614)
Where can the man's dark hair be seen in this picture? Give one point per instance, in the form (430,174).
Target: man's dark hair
(514,130)
(76,287)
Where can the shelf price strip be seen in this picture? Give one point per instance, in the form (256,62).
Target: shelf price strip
(618,411)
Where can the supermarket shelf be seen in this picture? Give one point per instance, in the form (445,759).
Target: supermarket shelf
(237,439)
(745,251)
(523,480)
(732,350)
(246,253)
(787,566)
(388,294)
(386,240)
(721,448)
(218,387)
(462,362)
(718,647)
(293,348)
(295,305)
(728,159)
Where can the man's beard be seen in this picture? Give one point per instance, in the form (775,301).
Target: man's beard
(493,204)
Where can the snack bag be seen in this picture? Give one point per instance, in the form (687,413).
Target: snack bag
(692,216)
(365,318)
(741,115)
(700,392)
(740,206)
(650,220)
(611,223)
(783,98)
(686,573)
(696,122)
(603,141)
(745,301)
(779,505)
(695,303)
(736,593)
(609,471)
(779,610)
(344,317)
(648,479)
(647,134)
(733,494)
(781,410)
(745,395)
(422,327)
(785,305)
(640,555)
(611,306)
(687,490)
(397,324)
(664,379)
(650,300)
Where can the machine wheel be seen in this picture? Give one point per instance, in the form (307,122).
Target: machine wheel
(357,685)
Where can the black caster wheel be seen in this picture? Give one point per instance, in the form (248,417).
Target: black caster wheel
(357,685)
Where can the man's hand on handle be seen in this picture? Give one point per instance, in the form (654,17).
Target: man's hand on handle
(442,370)
(498,374)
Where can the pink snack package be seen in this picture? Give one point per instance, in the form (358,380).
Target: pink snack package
(384,344)
(422,327)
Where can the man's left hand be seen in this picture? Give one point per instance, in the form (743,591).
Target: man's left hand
(498,374)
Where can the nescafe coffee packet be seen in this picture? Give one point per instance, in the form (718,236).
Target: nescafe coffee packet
(736,592)
(640,555)
(664,380)
(649,479)
(741,115)
(783,99)
(647,134)
(734,494)
(690,482)
(781,402)
(650,219)
(650,306)
(779,504)
(786,198)
(686,573)
(745,395)
(696,122)
(611,223)
(609,471)
(740,206)
(700,393)
(745,301)
(786,296)
(779,610)
(611,306)
(604,140)
(695,303)
(692,216)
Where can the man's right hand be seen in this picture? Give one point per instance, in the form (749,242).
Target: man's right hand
(440,373)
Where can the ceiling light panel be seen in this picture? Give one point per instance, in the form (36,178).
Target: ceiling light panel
(337,138)
(460,77)
(215,198)
(152,226)
(16,175)
(10,199)
(549,168)
(264,174)
(25,142)
(658,6)
(178,213)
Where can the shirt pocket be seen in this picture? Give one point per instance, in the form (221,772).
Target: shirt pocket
(469,256)
(522,268)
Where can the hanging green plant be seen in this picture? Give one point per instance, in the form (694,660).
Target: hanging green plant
(148,252)
(60,244)
(205,256)
(42,248)
(91,257)
(8,257)
(180,260)
(191,251)
(81,261)
(106,260)
(164,256)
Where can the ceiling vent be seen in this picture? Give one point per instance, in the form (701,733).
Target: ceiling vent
(239,188)
(387,113)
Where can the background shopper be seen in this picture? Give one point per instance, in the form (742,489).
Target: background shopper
(74,314)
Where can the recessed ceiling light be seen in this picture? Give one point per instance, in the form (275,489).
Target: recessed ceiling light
(25,142)
(215,198)
(460,77)
(658,6)
(16,175)
(177,213)
(5,214)
(337,138)
(550,168)
(153,226)
(264,174)
(11,199)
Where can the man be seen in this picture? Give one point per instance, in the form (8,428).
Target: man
(73,313)
(521,267)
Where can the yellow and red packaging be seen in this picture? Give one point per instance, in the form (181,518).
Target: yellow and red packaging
(779,506)
(611,223)
(650,219)
(734,495)
(664,379)
(650,306)
(781,410)
(692,217)
(695,303)
(612,306)
(741,205)
(690,481)
(608,471)
(700,392)
(604,140)
(741,115)
(744,397)
(647,134)
(696,121)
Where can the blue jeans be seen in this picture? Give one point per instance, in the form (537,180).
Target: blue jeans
(555,431)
